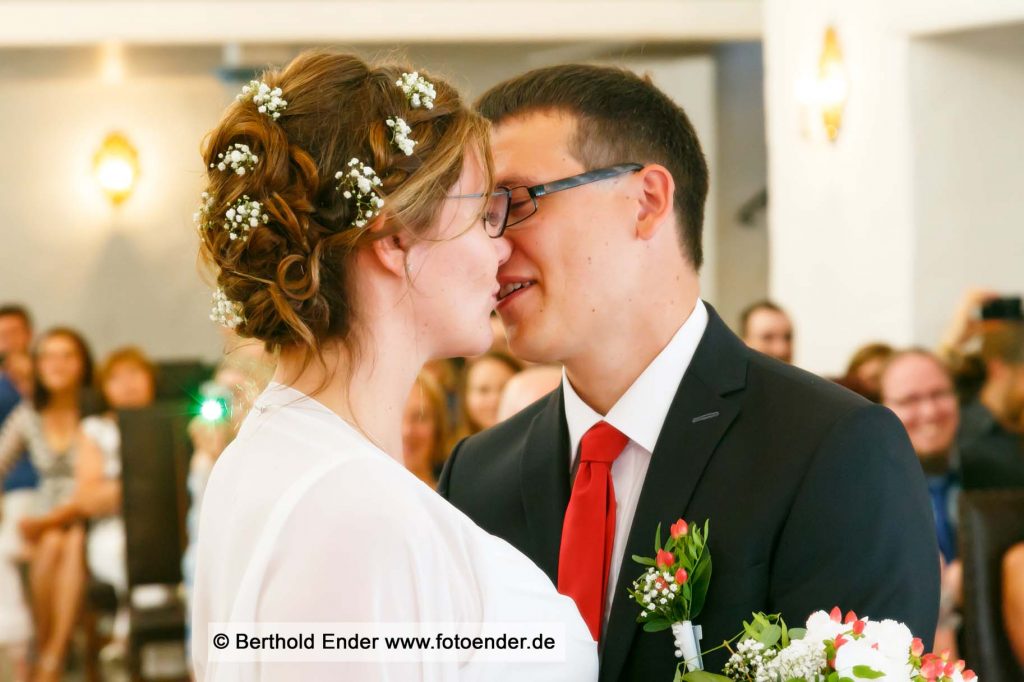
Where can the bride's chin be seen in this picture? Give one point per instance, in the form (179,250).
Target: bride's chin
(468,348)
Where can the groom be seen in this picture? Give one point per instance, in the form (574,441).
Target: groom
(814,496)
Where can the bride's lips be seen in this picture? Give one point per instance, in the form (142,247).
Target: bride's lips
(511,288)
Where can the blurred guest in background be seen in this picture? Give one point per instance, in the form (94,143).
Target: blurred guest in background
(425,430)
(49,428)
(15,330)
(958,346)
(864,372)
(446,373)
(483,380)
(527,387)
(918,387)
(127,380)
(992,430)
(15,383)
(766,328)
(1013,599)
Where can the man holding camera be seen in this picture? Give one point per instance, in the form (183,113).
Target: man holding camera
(992,428)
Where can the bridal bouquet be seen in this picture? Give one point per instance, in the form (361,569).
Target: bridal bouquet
(831,648)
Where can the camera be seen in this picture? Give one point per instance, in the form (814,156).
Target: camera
(1003,308)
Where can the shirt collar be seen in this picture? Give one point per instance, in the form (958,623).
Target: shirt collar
(641,411)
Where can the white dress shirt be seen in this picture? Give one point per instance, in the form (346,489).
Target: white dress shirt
(639,414)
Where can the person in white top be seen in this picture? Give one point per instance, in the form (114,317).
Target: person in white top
(309,515)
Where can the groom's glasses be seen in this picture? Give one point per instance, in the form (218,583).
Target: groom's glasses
(508,206)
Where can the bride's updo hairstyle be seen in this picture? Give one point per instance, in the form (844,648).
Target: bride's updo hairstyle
(283,267)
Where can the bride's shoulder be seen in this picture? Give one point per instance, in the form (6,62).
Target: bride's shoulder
(366,492)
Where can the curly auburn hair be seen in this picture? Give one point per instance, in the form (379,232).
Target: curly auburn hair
(291,277)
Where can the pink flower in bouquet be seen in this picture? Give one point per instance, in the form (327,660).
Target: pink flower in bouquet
(851,617)
(679,529)
(917,647)
(682,576)
(664,559)
(932,666)
(836,615)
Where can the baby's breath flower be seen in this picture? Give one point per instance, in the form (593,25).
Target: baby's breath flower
(238,157)
(244,215)
(267,100)
(419,91)
(400,135)
(225,312)
(359,186)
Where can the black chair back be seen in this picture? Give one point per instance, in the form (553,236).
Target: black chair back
(991,522)
(180,379)
(154,460)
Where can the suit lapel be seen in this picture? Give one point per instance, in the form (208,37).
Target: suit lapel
(687,441)
(545,482)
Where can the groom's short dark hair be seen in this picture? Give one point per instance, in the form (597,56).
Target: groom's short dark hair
(621,118)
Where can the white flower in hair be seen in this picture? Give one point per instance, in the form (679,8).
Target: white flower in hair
(267,100)
(238,157)
(400,135)
(201,217)
(419,91)
(244,215)
(225,312)
(358,185)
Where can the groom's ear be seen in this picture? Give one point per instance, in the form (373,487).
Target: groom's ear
(656,200)
(392,252)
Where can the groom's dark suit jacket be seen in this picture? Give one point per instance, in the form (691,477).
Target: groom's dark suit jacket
(814,497)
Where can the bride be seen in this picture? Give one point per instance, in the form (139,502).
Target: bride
(348,217)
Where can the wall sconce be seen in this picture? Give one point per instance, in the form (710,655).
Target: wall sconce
(832,86)
(116,167)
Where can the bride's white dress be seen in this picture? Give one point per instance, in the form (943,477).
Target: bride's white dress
(305,520)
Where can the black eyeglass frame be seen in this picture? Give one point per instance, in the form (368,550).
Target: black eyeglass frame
(547,188)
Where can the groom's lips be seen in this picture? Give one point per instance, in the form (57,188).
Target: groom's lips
(512,288)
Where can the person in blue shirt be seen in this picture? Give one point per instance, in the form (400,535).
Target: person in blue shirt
(918,387)
(15,338)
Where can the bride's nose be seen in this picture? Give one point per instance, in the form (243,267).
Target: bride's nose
(503,248)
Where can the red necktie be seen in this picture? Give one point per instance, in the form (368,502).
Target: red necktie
(589,528)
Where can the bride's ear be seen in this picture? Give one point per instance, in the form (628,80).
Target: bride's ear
(392,252)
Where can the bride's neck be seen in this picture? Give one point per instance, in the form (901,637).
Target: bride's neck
(368,389)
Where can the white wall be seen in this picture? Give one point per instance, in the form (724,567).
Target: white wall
(123,275)
(840,213)
(742,172)
(875,235)
(967,97)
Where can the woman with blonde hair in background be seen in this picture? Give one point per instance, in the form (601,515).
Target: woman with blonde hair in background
(351,223)
(425,429)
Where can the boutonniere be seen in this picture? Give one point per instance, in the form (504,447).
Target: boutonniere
(671,592)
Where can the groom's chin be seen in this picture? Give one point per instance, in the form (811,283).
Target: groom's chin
(526,347)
